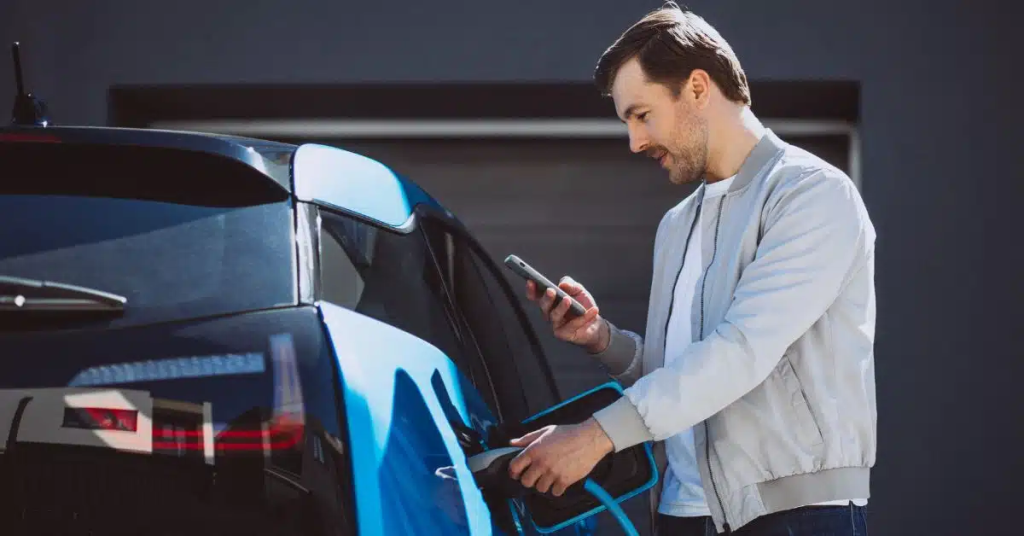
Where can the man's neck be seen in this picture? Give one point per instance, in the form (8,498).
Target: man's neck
(740,133)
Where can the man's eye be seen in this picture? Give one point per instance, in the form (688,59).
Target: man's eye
(643,116)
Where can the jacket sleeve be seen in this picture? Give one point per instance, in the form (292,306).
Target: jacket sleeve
(815,233)
(621,358)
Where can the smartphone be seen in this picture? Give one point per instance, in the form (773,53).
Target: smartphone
(524,270)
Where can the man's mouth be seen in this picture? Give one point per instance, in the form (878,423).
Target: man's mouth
(660,156)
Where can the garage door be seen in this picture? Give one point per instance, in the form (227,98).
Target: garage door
(586,208)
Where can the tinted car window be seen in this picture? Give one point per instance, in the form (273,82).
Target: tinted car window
(153,226)
(528,357)
(503,339)
(392,277)
(230,426)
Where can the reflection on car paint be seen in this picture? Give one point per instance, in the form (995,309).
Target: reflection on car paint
(370,382)
(39,416)
(417,476)
(288,407)
(95,417)
(352,182)
(284,430)
(171,369)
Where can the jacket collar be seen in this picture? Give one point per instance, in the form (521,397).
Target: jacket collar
(766,151)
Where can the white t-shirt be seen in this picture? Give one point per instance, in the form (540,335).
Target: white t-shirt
(683,495)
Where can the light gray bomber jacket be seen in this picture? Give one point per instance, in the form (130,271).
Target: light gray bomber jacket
(779,381)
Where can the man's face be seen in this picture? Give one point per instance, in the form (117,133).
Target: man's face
(662,126)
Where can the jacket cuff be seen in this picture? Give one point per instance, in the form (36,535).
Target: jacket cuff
(620,353)
(623,424)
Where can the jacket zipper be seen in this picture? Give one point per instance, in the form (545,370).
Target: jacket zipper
(707,430)
(686,247)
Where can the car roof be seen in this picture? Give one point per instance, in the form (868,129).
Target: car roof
(272,159)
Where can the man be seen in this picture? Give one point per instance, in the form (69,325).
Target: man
(755,377)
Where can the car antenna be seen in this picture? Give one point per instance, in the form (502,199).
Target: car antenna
(28,110)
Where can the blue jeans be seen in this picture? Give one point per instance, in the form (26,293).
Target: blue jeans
(848,520)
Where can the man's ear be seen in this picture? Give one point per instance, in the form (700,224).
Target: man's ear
(698,88)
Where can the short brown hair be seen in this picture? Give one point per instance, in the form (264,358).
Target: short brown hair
(670,43)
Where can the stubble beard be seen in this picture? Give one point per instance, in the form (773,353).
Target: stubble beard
(690,159)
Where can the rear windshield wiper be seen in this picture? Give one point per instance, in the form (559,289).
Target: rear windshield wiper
(18,294)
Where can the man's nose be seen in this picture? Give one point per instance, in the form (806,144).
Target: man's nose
(638,141)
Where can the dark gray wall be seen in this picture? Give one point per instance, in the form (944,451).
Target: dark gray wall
(937,120)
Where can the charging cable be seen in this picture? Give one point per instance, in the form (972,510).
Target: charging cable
(613,507)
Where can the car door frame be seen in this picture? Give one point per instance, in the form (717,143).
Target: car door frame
(443,388)
(457,229)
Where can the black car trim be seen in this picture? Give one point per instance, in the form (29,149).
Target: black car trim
(243,150)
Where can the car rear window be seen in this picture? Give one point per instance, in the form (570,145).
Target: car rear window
(179,234)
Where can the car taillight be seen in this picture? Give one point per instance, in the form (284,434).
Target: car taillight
(273,436)
(282,428)
(124,420)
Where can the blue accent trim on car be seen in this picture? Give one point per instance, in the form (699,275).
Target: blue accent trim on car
(371,355)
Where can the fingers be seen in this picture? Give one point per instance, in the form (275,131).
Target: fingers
(541,476)
(577,291)
(545,302)
(527,439)
(532,475)
(559,487)
(545,482)
(531,291)
(523,460)
(524,469)
(557,316)
(570,286)
(581,322)
(519,464)
(578,330)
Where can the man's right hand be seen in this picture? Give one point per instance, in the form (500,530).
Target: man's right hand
(589,331)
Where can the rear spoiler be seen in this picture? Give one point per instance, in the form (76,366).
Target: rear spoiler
(270,159)
(167,167)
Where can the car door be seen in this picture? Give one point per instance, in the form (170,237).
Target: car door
(421,407)
(523,382)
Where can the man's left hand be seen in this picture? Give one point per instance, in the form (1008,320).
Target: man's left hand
(556,457)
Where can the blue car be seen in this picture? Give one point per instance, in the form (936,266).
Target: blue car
(205,334)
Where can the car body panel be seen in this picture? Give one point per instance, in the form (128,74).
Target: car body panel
(376,386)
(340,179)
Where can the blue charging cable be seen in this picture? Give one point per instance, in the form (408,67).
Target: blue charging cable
(613,507)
